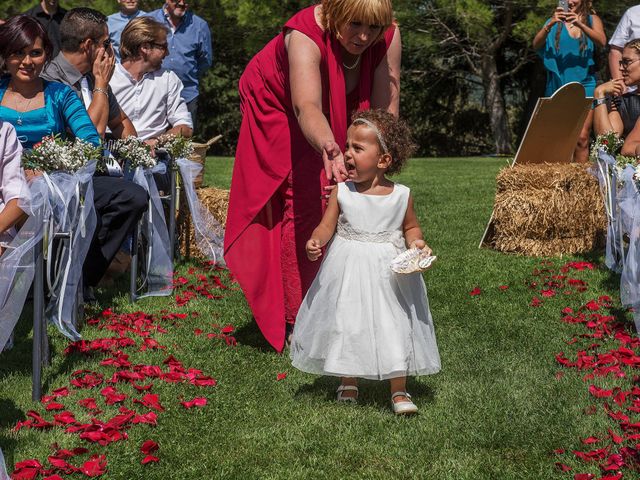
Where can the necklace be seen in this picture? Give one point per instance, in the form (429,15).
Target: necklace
(20,113)
(355,64)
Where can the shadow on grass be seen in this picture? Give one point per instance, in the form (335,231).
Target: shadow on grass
(372,393)
(251,336)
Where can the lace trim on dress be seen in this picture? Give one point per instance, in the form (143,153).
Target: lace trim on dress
(395,237)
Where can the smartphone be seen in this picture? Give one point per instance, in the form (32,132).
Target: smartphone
(564,5)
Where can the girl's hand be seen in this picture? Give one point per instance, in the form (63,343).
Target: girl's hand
(314,249)
(421,245)
(334,162)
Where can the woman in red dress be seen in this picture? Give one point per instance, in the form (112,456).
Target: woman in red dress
(297,96)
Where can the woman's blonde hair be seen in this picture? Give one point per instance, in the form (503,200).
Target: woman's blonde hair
(634,44)
(337,13)
(138,32)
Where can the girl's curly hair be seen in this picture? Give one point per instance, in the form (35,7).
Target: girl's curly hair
(396,135)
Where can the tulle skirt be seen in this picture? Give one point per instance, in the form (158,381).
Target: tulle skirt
(359,319)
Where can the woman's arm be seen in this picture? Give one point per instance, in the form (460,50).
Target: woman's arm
(631,146)
(325,230)
(77,119)
(595,32)
(10,215)
(603,120)
(306,97)
(386,80)
(412,232)
(12,182)
(541,37)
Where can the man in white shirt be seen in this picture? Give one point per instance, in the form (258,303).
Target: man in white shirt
(628,29)
(149,95)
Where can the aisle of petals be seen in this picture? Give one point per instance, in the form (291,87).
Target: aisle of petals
(98,407)
(606,351)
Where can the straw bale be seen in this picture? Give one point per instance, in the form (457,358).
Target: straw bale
(216,201)
(546,210)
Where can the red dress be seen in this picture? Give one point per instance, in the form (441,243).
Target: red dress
(278,178)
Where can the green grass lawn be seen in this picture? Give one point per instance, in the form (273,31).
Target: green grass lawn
(496,411)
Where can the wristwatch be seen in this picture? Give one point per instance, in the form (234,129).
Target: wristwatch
(598,101)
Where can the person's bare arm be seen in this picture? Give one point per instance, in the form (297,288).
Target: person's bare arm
(122,126)
(306,97)
(412,232)
(99,108)
(615,55)
(631,146)
(325,230)
(595,32)
(541,37)
(386,80)
(603,120)
(10,215)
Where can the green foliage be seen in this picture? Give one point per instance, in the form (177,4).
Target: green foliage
(441,96)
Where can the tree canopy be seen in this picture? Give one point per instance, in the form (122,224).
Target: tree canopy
(470,76)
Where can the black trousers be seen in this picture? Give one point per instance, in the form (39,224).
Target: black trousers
(119,205)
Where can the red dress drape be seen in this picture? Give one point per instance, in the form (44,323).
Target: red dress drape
(275,200)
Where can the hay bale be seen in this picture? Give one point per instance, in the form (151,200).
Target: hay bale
(216,201)
(548,209)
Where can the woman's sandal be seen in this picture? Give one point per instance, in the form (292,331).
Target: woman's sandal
(406,407)
(347,388)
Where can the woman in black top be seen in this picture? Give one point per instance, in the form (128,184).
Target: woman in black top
(614,110)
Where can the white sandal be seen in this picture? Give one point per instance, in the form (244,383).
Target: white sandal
(403,408)
(347,388)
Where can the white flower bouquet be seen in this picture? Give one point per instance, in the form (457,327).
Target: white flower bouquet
(176,145)
(135,151)
(55,154)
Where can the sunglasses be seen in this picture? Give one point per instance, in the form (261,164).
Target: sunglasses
(161,46)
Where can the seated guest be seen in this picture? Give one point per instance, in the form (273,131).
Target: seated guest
(86,64)
(614,110)
(36,107)
(117,21)
(13,185)
(149,94)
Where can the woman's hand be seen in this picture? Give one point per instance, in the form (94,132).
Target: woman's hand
(559,15)
(612,87)
(31,174)
(313,248)
(572,18)
(334,162)
(421,245)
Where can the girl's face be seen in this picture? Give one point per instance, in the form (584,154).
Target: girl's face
(630,66)
(355,37)
(26,65)
(362,154)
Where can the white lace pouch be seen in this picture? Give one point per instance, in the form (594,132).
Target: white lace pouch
(412,260)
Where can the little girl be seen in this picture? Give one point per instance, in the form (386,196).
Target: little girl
(359,319)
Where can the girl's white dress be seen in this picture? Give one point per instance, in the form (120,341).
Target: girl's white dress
(359,319)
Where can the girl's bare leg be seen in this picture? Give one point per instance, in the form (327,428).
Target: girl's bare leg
(398,384)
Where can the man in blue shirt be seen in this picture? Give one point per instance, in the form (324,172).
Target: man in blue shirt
(190,52)
(117,21)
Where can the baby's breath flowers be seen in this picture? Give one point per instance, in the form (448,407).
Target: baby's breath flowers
(135,151)
(55,154)
(176,145)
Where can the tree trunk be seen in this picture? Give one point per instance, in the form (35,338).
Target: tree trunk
(494,101)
